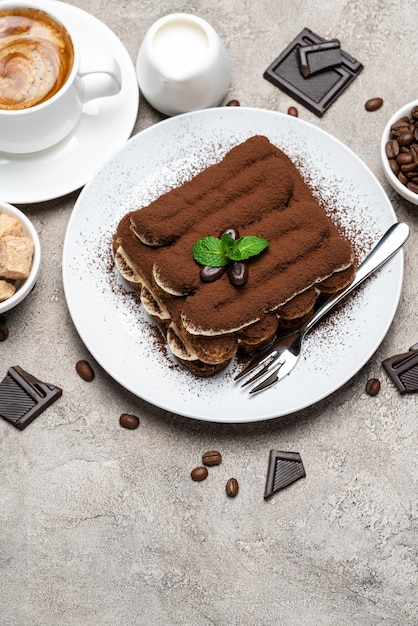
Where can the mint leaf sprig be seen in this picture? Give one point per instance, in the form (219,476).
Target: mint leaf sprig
(218,252)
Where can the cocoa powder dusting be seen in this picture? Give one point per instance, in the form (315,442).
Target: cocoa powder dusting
(258,189)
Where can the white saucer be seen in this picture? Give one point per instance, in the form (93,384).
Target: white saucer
(104,126)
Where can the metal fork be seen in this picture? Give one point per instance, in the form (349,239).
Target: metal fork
(279,358)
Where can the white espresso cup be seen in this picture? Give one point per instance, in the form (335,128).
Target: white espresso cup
(44,81)
(182,65)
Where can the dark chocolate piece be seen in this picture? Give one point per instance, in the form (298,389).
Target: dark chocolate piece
(23,397)
(402,369)
(319,57)
(284,468)
(318,91)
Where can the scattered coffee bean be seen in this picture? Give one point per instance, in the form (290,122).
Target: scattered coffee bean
(129,421)
(293,111)
(373,386)
(233,103)
(4,331)
(209,274)
(373,104)
(85,370)
(402,150)
(213,457)
(237,273)
(199,473)
(232,487)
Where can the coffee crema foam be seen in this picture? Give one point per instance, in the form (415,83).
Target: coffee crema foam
(36,57)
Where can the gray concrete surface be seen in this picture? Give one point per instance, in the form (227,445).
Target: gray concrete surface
(103,526)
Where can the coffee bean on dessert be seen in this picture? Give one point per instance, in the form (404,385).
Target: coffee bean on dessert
(129,421)
(293,111)
(233,103)
(232,487)
(213,457)
(209,274)
(373,104)
(373,386)
(237,273)
(4,331)
(199,473)
(85,370)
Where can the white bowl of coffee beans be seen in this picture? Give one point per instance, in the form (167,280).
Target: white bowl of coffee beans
(20,256)
(399,151)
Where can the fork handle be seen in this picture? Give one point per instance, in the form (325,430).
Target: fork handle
(384,250)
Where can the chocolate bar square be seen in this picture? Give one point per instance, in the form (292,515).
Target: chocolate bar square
(23,397)
(319,57)
(402,369)
(319,90)
(284,468)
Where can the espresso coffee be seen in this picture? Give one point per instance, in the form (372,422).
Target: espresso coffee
(36,57)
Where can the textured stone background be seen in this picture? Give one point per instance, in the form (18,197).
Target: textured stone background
(103,526)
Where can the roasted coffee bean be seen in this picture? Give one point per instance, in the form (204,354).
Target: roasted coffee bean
(408,167)
(233,103)
(85,370)
(392,149)
(414,112)
(402,178)
(199,473)
(237,273)
(402,122)
(293,111)
(373,386)
(394,165)
(410,175)
(209,274)
(232,487)
(213,457)
(406,138)
(404,158)
(413,151)
(373,104)
(4,331)
(412,186)
(129,421)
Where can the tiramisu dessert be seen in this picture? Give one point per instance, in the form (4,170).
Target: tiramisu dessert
(229,258)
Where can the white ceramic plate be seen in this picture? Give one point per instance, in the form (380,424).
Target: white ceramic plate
(115,329)
(104,126)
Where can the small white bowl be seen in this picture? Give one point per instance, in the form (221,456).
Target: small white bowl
(402,190)
(23,287)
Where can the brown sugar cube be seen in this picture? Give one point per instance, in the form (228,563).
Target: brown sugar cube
(7,290)
(15,257)
(9,226)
